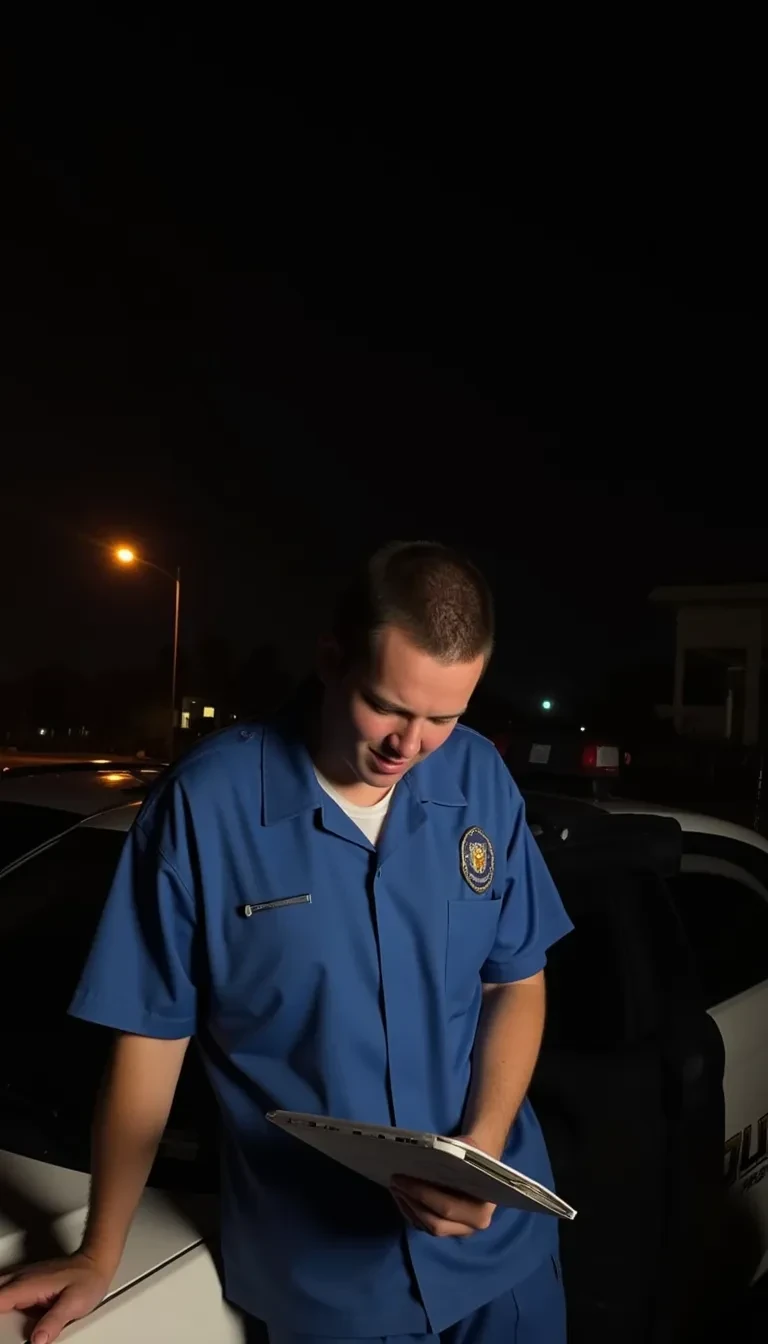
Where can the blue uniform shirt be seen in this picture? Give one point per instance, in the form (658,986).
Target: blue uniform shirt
(361,1003)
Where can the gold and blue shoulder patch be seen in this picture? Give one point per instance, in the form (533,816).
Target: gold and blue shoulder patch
(477,859)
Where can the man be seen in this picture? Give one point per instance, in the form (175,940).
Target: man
(349,912)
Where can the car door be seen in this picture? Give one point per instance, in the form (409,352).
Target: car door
(721,896)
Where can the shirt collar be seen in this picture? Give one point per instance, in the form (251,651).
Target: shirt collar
(433,781)
(289,783)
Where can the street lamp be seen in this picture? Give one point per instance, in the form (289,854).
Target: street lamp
(126,555)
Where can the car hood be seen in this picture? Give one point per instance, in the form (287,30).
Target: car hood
(42,1213)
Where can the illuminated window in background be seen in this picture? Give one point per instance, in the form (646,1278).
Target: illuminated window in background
(208,712)
(185,718)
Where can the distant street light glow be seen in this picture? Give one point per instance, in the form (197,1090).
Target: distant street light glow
(582,729)
(546,704)
(125,555)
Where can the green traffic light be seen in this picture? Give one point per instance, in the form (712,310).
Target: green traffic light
(546,704)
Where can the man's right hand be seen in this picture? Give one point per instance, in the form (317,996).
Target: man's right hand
(70,1288)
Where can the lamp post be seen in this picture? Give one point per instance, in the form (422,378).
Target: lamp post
(126,555)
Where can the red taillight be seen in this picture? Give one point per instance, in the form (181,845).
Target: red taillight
(600,758)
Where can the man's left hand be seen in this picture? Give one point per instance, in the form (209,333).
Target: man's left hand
(442,1213)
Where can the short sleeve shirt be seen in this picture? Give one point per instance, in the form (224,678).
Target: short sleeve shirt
(323,975)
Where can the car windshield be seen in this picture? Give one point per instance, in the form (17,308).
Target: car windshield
(51,1064)
(23,826)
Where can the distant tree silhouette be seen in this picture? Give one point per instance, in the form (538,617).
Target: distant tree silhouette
(54,697)
(212,669)
(126,708)
(633,691)
(262,683)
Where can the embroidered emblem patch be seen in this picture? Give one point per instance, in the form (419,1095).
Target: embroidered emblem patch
(477,860)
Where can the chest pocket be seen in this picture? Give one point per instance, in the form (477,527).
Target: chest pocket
(472,926)
(271,945)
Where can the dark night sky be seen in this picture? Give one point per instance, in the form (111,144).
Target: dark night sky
(258,326)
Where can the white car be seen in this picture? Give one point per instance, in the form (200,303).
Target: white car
(721,896)
(167,1286)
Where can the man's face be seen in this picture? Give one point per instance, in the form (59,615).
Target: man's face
(381,720)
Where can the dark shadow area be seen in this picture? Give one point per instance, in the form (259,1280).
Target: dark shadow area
(255,1331)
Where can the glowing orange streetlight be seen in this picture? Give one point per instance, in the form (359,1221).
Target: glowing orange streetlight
(126,555)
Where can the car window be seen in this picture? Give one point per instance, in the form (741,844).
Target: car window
(52,1064)
(726,922)
(23,827)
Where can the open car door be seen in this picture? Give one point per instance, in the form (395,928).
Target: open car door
(629,1085)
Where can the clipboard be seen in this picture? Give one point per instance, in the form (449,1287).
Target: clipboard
(381,1152)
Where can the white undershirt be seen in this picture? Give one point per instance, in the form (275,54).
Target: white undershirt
(370,820)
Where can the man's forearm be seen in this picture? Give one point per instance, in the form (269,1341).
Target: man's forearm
(130,1118)
(506,1048)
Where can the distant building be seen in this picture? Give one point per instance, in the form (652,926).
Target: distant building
(197,715)
(720,660)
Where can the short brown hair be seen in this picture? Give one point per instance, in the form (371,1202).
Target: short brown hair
(430,591)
